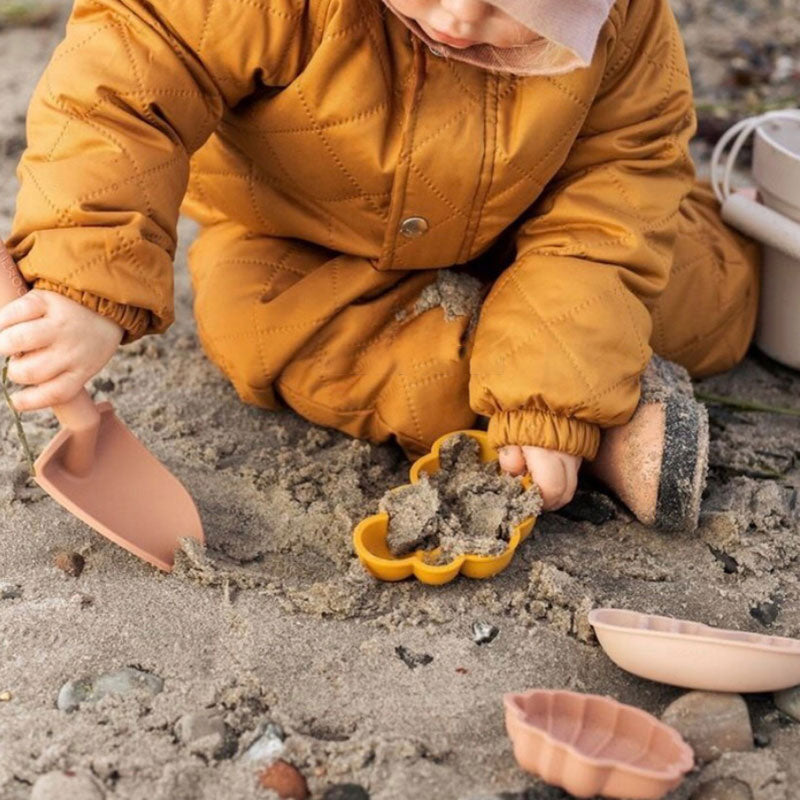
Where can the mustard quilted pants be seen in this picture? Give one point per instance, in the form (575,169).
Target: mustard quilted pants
(350,347)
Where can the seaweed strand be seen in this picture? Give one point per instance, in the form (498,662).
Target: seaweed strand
(746,405)
(17,421)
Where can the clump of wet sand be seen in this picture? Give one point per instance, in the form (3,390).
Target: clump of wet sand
(466,507)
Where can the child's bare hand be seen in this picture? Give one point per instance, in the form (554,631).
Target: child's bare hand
(555,473)
(56,344)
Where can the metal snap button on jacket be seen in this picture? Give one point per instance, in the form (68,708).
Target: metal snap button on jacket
(413,226)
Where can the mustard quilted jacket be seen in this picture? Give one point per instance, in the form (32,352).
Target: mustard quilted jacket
(318,119)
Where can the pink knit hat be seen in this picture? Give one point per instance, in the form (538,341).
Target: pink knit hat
(568,32)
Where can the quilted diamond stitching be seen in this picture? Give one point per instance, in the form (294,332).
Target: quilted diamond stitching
(425,179)
(439,130)
(414,157)
(267,8)
(567,92)
(534,173)
(102,131)
(290,186)
(125,246)
(337,160)
(387,81)
(204,29)
(63,51)
(499,361)
(475,99)
(568,354)
(357,117)
(99,192)
(61,214)
(49,154)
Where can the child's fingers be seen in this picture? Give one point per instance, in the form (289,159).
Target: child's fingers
(35,367)
(511,459)
(549,475)
(572,481)
(52,393)
(29,306)
(26,336)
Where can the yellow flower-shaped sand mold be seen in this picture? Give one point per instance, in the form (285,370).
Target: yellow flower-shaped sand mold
(369,536)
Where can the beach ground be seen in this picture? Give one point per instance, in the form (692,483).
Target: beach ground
(278,623)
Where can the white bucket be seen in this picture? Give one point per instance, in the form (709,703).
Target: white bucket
(774,220)
(776,168)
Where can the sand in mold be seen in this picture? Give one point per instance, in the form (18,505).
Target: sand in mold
(465,507)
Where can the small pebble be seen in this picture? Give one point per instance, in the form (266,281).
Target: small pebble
(81,600)
(788,701)
(203,732)
(762,739)
(104,385)
(5,697)
(10,591)
(151,350)
(411,659)
(723,789)
(346,791)
(785,68)
(65,786)
(184,343)
(767,612)
(493,796)
(484,632)
(69,562)
(284,780)
(90,690)
(269,746)
(712,723)
(729,564)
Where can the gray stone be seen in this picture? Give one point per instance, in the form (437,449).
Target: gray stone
(712,723)
(484,632)
(346,791)
(758,770)
(723,789)
(10,591)
(90,690)
(203,732)
(268,746)
(66,786)
(761,739)
(788,701)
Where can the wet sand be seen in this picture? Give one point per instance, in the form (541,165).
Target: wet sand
(276,622)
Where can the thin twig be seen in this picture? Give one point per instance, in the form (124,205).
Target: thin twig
(17,421)
(746,405)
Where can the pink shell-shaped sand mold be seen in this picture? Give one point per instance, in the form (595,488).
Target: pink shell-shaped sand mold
(696,656)
(590,745)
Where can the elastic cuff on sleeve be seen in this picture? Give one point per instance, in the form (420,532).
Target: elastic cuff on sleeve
(542,429)
(135,321)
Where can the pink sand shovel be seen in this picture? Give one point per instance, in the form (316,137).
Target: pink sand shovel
(100,472)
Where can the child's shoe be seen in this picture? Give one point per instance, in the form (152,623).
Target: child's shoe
(657,462)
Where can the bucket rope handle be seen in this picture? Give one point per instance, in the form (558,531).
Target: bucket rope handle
(721,177)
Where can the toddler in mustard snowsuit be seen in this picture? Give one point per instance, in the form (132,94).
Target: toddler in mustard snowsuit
(411,213)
